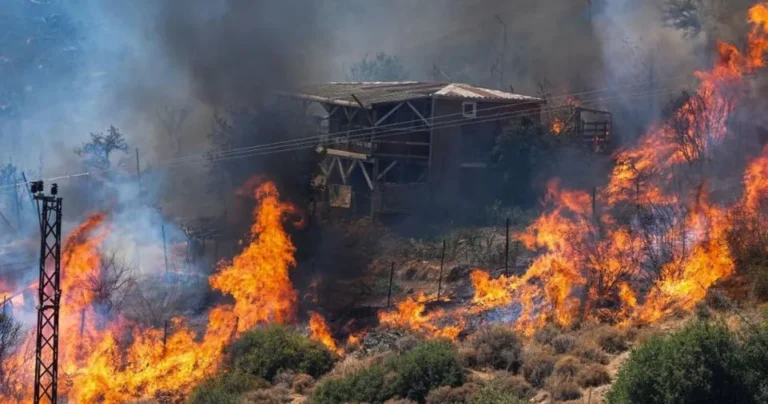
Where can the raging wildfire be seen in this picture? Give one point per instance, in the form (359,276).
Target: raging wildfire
(646,286)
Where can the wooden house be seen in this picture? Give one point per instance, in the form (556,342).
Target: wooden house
(393,147)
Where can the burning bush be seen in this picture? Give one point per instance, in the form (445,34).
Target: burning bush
(265,352)
(429,365)
(497,347)
(701,363)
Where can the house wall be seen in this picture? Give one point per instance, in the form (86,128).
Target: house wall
(468,142)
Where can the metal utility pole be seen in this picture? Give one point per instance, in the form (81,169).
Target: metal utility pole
(49,295)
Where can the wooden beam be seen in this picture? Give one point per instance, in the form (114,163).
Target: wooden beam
(416,111)
(386,170)
(346,154)
(388,114)
(365,173)
(403,143)
(341,170)
(351,167)
(403,156)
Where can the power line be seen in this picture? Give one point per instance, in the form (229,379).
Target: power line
(311,141)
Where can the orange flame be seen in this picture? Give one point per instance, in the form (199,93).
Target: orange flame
(412,314)
(318,330)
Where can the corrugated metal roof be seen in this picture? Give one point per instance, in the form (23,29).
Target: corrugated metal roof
(371,93)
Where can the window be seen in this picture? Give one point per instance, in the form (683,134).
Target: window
(469,109)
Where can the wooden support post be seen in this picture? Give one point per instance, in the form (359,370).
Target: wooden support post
(165,248)
(506,250)
(440,277)
(391,276)
(237,325)
(375,189)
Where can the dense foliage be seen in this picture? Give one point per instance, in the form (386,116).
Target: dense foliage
(267,351)
(411,375)
(705,362)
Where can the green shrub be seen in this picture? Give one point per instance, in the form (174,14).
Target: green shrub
(700,363)
(225,388)
(267,351)
(430,364)
(538,364)
(498,347)
(412,375)
(493,393)
(754,359)
(365,386)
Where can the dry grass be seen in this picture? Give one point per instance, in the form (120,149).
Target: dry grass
(564,343)
(302,384)
(352,365)
(564,391)
(566,368)
(593,376)
(538,364)
(275,395)
(447,394)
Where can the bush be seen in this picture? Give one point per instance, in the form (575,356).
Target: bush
(265,352)
(493,393)
(302,383)
(225,388)
(565,391)
(274,395)
(567,367)
(538,365)
(698,364)
(453,395)
(612,340)
(591,353)
(754,359)
(593,376)
(563,344)
(429,365)
(546,334)
(514,385)
(498,347)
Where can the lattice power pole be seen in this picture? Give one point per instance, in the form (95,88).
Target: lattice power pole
(47,349)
